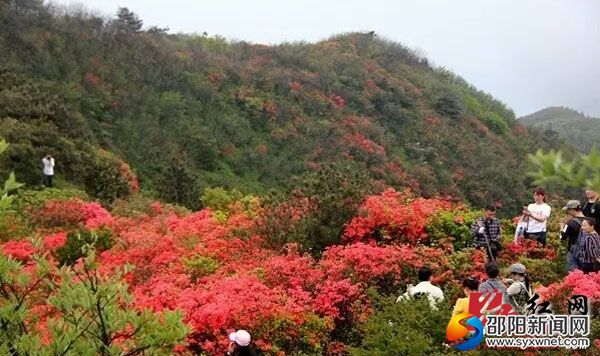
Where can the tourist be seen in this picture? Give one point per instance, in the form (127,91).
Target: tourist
(469,285)
(536,217)
(434,294)
(591,209)
(589,247)
(519,291)
(570,231)
(493,284)
(486,232)
(48,164)
(239,344)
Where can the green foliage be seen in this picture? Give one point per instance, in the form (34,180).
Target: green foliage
(552,168)
(322,202)
(179,185)
(454,224)
(104,179)
(406,328)
(10,184)
(495,122)
(94,314)
(200,266)
(219,199)
(80,241)
(132,206)
(35,199)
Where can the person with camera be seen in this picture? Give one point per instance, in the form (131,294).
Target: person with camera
(536,217)
(486,232)
(48,164)
(570,230)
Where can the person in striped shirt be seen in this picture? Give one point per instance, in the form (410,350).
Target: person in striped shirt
(589,247)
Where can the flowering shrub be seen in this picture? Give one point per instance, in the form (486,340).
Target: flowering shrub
(222,273)
(71,213)
(19,250)
(393,217)
(453,225)
(527,248)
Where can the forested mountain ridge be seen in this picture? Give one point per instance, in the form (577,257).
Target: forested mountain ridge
(190,111)
(578,129)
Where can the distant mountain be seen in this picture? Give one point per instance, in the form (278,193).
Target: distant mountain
(576,128)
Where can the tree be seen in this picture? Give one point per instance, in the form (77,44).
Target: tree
(315,209)
(127,22)
(178,185)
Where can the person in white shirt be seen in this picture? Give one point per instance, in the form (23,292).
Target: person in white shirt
(535,217)
(434,294)
(48,163)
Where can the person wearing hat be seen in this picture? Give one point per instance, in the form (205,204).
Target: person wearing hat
(570,231)
(519,291)
(239,344)
(589,247)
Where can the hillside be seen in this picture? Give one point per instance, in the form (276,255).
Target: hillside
(189,112)
(576,128)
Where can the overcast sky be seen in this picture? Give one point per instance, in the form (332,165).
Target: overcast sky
(528,53)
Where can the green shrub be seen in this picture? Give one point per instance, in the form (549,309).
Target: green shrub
(406,328)
(200,266)
(495,122)
(104,180)
(80,240)
(452,224)
(132,206)
(36,198)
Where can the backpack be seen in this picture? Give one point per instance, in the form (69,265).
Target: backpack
(519,301)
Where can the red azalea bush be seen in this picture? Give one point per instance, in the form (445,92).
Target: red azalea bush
(70,213)
(575,283)
(527,248)
(393,216)
(19,250)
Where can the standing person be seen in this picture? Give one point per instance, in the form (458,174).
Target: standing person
(239,344)
(470,285)
(536,217)
(493,283)
(48,163)
(486,232)
(589,247)
(570,231)
(519,291)
(591,209)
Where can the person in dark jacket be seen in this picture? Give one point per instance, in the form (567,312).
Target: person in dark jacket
(486,232)
(591,209)
(569,231)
